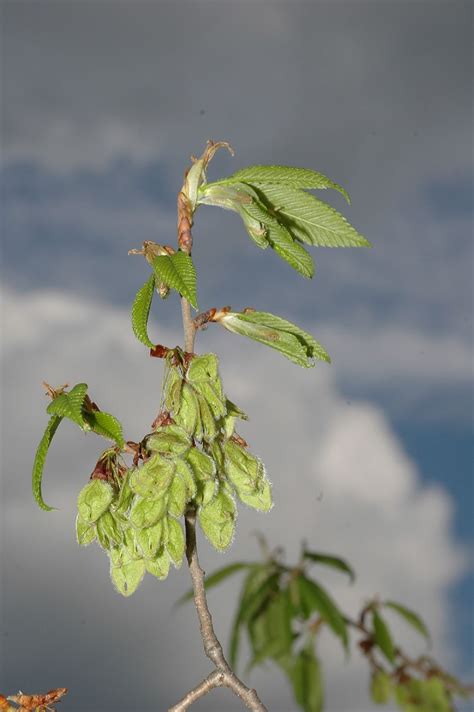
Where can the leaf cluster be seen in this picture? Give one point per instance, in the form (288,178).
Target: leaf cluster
(283,611)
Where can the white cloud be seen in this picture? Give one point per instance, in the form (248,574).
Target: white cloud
(341,481)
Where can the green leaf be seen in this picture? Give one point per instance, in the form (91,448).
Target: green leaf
(178,272)
(314,599)
(410,616)
(309,219)
(69,405)
(285,175)
(106,425)
(108,531)
(40,459)
(215,578)
(128,576)
(277,333)
(332,561)
(141,310)
(270,633)
(307,681)
(382,637)
(260,499)
(254,584)
(281,240)
(177,497)
(188,413)
(94,499)
(202,369)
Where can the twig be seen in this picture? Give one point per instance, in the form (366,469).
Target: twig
(222,675)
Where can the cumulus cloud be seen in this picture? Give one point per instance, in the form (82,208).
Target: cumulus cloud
(341,481)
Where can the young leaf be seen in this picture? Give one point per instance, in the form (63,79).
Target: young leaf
(313,599)
(147,512)
(285,175)
(69,405)
(177,271)
(309,219)
(307,681)
(106,425)
(280,239)
(294,343)
(410,616)
(141,310)
(215,578)
(160,565)
(382,636)
(40,459)
(175,544)
(332,561)
(270,633)
(85,533)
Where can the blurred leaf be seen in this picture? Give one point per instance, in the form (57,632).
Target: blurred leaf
(332,561)
(270,632)
(141,310)
(410,616)
(178,272)
(40,459)
(381,687)
(382,636)
(254,590)
(286,175)
(307,681)
(314,599)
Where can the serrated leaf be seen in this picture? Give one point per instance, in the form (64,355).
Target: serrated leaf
(141,311)
(106,425)
(312,347)
(128,576)
(310,220)
(277,333)
(94,499)
(69,405)
(307,681)
(215,578)
(285,175)
(314,599)
(410,616)
(40,459)
(332,561)
(281,239)
(382,637)
(178,272)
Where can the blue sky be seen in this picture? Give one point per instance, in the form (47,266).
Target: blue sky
(103,105)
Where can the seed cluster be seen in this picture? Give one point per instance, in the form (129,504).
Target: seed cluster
(193,458)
